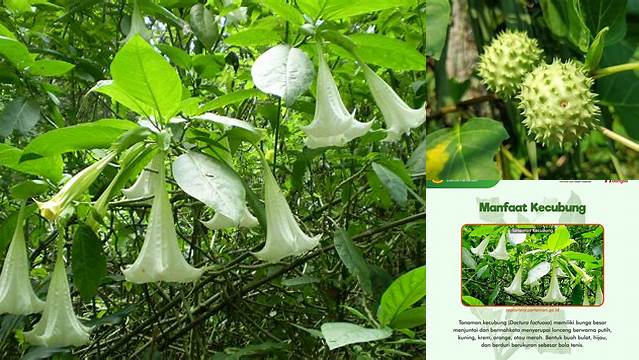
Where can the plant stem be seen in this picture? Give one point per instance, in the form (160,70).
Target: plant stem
(517,164)
(461,105)
(615,69)
(620,139)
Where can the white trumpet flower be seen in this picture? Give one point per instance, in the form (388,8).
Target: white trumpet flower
(237,16)
(16,294)
(73,188)
(554,292)
(537,272)
(481,248)
(137,25)
(283,235)
(219,221)
(332,124)
(500,252)
(515,285)
(141,188)
(582,273)
(160,258)
(58,325)
(599,297)
(516,238)
(399,117)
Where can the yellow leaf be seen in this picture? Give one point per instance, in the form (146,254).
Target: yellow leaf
(436,159)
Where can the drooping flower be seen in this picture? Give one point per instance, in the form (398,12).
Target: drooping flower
(137,25)
(516,238)
(141,188)
(73,188)
(219,221)
(283,235)
(58,325)
(554,292)
(599,295)
(332,124)
(515,285)
(237,16)
(537,272)
(480,249)
(160,258)
(582,273)
(500,252)
(467,259)
(399,117)
(561,273)
(16,294)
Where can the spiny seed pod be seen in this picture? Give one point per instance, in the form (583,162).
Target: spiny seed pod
(557,104)
(505,62)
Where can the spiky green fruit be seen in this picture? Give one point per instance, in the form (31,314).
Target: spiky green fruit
(557,104)
(505,62)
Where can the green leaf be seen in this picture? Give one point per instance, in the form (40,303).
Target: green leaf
(471,301)
(118,94)
(410,318)
(353,259)
(29,188)
(7,228)
(465,152)
(36,353)
(341,9)
(143,74)
(620,90)
(388,52)
(559,240)
(406,290)
(6,32)
(49,167)
(564,21)
(573,255)
(16,52)
(338,334)
(253,37)
(50,68)
(437,19)
(95,135)
(286,11)
(593,57)
(230,99)
(283,71)
(599,14)
(178,56)
(393,183)
(212,182)
(482,230)
(21,115)
(87,262)
(204,26)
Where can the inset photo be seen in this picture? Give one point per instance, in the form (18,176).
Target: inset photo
(532,265)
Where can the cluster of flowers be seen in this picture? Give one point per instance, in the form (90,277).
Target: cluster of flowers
(160,258)
(553,294)
(333,125)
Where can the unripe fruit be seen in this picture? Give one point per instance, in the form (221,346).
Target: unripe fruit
(557,104)
(505,62)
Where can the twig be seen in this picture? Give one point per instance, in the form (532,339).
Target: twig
(620,139)
(461,105)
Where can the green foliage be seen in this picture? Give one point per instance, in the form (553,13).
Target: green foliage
(123,81)
(537,257)
(579,125)
(88,262)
